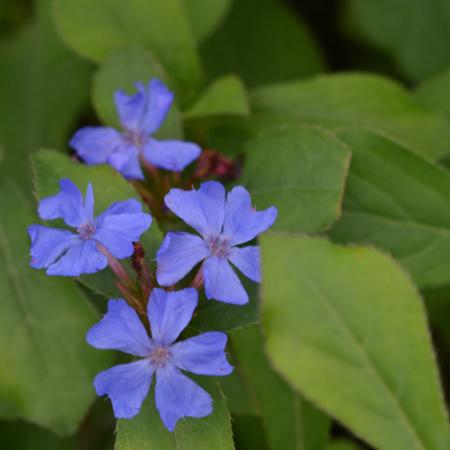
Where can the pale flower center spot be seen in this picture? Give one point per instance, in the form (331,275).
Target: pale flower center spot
(159,356)
(86,231)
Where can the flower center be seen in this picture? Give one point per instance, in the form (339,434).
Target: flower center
(134,138)
(86,231)
(219,246)
(159,356)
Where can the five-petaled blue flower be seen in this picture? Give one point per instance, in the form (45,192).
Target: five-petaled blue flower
(223,225)
(176,395)
(140,115)
(66,253)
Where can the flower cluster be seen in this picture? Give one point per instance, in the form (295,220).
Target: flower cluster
(144,325)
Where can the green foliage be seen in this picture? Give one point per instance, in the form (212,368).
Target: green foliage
(398,201)
(256,42)
(306,184)
(146,431)
(160,26)
(434,93)
(20,436)
(347,328)
(342,444)
(226,95)
(353,99)
(415,33)
(220,316)
(205,15)
(47,368)
(332,332)
(290,421)
(36,73)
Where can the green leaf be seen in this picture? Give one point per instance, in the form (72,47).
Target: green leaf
(206,15)
(219,316)
(262,41)
(47,367)
(109,187)
(399,202)
(248,433)
(122,70)
(97,28)
(22,436)
(438,308)
(290,422)
(419,43)
(435,93)
(146,431)
(343,444)
(237,392)
(300,171)
(355,99)
(43,87)
(226,95)
(347,328)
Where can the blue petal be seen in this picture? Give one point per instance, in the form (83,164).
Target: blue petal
(131,206)
(118,232)
(242,222)
(169,313)
(248,261)
(177,396)
(67,204)
(48,244)
(94,144)
(126,161)
(126,385)
(120,329)
(81,258)
(146,110)
(221,283)
(178,254)
(171,155)
(203,209)
(89,203)
(203,354)
(130,109)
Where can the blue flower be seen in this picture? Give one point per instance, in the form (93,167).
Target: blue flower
(223,225)
(176,395)
(66,253)
(140,115)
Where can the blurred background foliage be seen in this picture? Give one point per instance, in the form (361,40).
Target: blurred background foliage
(349,96)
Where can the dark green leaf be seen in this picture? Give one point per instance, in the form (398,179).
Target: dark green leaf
(399,202)
(213,315)
(248,433)
(47,367)
(262,41)
(415,33)
(346,327)
(97,28)
(343,444)
(42,90)
(290,421)
(22,436)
